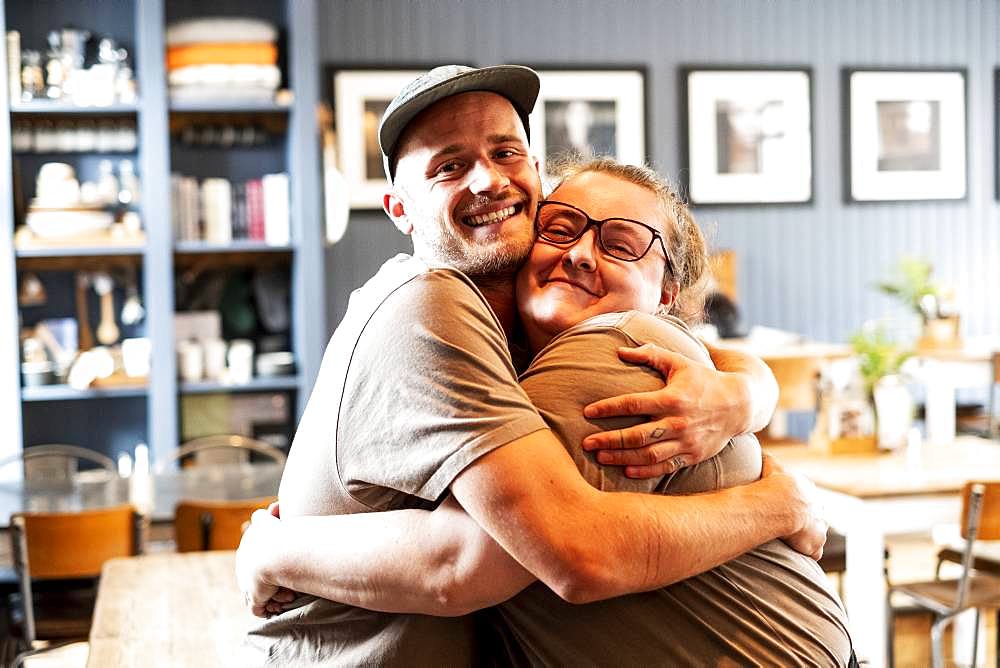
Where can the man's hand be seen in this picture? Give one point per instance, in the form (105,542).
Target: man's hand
(811,537)
(694,416)
(262,594)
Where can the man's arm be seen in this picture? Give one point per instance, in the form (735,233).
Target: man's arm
(442,562)
(588,545)
(408,561)
(693,416)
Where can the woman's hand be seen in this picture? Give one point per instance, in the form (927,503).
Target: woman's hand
(810,538)
(263,595)
(693,416)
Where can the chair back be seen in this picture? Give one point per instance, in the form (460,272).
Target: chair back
(57,462)
(213,525)
(69,545)
(200,449)
(75,544)
(987,523)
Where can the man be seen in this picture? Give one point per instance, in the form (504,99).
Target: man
(418,398)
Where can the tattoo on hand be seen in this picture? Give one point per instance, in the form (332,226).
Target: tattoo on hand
(659,431)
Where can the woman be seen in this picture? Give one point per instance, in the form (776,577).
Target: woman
(615,247)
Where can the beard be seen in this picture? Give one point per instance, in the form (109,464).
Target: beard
(500,253)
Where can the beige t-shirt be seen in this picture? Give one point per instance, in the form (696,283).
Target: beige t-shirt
(771,606)
(416,384)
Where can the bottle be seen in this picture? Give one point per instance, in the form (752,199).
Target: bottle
(128,193)
(107,184)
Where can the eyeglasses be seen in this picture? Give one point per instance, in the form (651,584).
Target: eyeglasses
(621,238)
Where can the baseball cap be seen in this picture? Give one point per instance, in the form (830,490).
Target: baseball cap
(517,83)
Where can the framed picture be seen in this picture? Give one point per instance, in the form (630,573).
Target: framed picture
(589,111)
(360,97)
(906,134)
(748,135)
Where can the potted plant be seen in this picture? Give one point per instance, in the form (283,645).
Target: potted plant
(913,286)
(880,360)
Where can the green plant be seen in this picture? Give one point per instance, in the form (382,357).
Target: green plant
(878,354)
(912,285)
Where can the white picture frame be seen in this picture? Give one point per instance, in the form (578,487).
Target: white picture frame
(749,135)
(907,135)
(360,96)
(604,109)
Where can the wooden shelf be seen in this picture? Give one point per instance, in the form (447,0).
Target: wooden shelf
(65,108)
(67,393)
(272,384)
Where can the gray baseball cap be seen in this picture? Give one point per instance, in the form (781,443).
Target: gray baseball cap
(516,83)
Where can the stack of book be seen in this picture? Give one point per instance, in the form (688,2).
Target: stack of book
(220,211)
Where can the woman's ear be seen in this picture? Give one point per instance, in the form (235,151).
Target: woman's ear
(396,210)
(668,295)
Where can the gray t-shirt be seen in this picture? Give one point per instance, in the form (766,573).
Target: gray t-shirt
(416,384)
(771,606)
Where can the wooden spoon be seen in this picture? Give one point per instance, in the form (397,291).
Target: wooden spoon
(85,340)
(107,330)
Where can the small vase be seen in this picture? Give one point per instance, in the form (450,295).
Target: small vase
(893,411)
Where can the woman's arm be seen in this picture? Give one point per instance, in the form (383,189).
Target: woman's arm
(430,562)
(693,416)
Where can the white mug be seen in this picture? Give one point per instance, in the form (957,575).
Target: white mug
(240,360)
(215,358)
(190,361)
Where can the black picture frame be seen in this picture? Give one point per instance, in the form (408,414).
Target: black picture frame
(775,170)
(905,134)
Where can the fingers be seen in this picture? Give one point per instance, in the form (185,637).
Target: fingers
(656,470)
(637,436)
(658,453)
(653,356)
(639,403)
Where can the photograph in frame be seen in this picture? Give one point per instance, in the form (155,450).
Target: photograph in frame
(589,112)
(906,135)
(749,135)
(360,97)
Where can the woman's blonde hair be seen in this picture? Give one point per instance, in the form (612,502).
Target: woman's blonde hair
(684,241)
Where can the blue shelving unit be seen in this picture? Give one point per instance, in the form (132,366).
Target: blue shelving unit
(152,412)
(276,384)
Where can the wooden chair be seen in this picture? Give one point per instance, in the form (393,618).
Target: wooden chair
(947,598)
(223,449)
(213,525)
(72,547)
(994,410)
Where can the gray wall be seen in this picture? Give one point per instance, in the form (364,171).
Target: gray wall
(805,268)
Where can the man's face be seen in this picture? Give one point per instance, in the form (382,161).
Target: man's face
(466,184)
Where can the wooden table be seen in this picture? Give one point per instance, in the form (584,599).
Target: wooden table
(154,495)
(168,610)
(869,497)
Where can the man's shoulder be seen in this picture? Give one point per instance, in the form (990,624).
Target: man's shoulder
(414,276)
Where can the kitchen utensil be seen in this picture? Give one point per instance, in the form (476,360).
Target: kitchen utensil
(82,311)
(107,330)
(32,292)
(132,310)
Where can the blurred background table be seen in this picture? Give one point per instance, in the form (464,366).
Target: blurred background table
(869,497)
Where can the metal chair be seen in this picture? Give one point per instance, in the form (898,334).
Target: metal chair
(69,547)
(947,598)
(994,410)
(57,462)
(213,525)
(234,448)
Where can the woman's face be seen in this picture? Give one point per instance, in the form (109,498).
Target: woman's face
(562,285)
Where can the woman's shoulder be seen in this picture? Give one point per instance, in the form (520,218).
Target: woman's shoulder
(640,328)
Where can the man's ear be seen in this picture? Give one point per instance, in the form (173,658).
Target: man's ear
(396,210)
